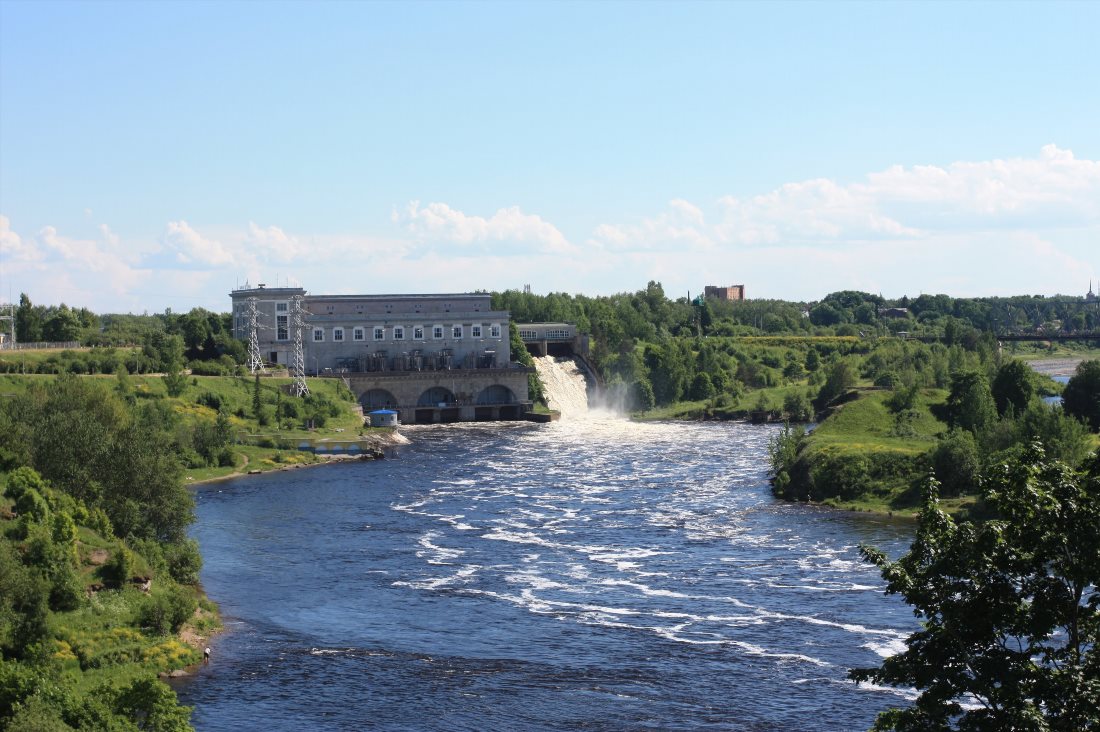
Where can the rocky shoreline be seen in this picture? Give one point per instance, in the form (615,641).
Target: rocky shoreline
(1055,366)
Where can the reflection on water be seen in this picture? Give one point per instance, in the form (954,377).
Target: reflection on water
(596,573)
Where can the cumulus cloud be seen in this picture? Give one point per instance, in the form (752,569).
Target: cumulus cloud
(12,246)
(193,249)
(1012,225)
(440,222)
(1052,190)
(682,227)
(968,228)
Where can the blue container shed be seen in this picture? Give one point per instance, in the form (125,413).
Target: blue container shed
(383,418)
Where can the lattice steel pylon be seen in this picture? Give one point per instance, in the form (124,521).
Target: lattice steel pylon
(300,387)
(255,360)
(9,316)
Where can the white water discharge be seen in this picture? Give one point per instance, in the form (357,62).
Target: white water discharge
(565,384)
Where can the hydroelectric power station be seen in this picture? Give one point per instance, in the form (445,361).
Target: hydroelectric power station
(430,358)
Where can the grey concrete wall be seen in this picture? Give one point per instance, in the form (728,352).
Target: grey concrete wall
(463,390)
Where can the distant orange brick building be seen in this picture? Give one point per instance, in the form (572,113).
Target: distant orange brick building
(733,292)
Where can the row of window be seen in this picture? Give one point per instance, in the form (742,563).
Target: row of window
(551,333)
(282,307)
(399,332)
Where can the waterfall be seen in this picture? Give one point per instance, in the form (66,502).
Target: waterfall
(565,385)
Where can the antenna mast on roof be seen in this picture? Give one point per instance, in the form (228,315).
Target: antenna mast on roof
(300,387)
(255,360)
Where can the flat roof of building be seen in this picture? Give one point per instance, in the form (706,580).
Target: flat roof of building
(414,296)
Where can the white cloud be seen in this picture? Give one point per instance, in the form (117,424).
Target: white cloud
(192,248)
(969,228)
(438,221)
(1053,190)
(12,246)
(681,228)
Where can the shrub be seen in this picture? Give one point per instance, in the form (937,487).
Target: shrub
(120,567)
(702,387)
(166,609)
(797,407)
(32,505)
(22,479)
(955,463)
(184,561)
(210,399)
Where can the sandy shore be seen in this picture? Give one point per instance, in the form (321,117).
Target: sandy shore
(1055,366)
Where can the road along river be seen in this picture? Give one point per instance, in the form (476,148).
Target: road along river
(586,574)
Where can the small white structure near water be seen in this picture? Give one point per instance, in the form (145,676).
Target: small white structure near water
(383,418)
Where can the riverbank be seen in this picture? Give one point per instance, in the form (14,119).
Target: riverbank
(256,460)
(1054,366)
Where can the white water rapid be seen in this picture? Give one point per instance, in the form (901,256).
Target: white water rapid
(565,385)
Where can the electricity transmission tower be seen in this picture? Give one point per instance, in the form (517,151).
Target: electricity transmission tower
(10,316)
(300,387)
(255,360)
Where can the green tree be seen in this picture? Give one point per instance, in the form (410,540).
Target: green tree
(1013,386)
(702,387)
(1009,609)
(62,324)
(797,407)
(841,377)
(826,314)
(642,394)
(175,381)
(955,463)
(152,706)
(970,404)
(28,321)
(24,604)
(1081,397)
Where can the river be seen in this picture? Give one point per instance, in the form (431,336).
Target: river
(587,574)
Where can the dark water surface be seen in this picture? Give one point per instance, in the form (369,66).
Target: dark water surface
(597,575)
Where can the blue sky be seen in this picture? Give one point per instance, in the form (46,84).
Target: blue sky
(155,155)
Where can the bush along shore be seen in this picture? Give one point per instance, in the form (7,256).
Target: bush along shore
(99,584)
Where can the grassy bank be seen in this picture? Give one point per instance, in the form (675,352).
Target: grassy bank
(864,458)
(98,583)
(89,620)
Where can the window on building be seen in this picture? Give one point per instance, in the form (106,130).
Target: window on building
(282,332)
(494,331)
(398,333)
(456,331)
(337,334)
(556,333)
(418,332)
(281,307)
(528,335)
(475,331)
(318,334)
(437,331)
(379,334)
(330,308)
(358,334)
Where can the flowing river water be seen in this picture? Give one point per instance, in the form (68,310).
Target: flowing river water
(592,573)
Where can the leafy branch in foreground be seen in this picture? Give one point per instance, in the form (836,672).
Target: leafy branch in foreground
(1010,608)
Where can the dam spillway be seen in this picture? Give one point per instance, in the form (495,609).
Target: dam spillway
(565,384)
